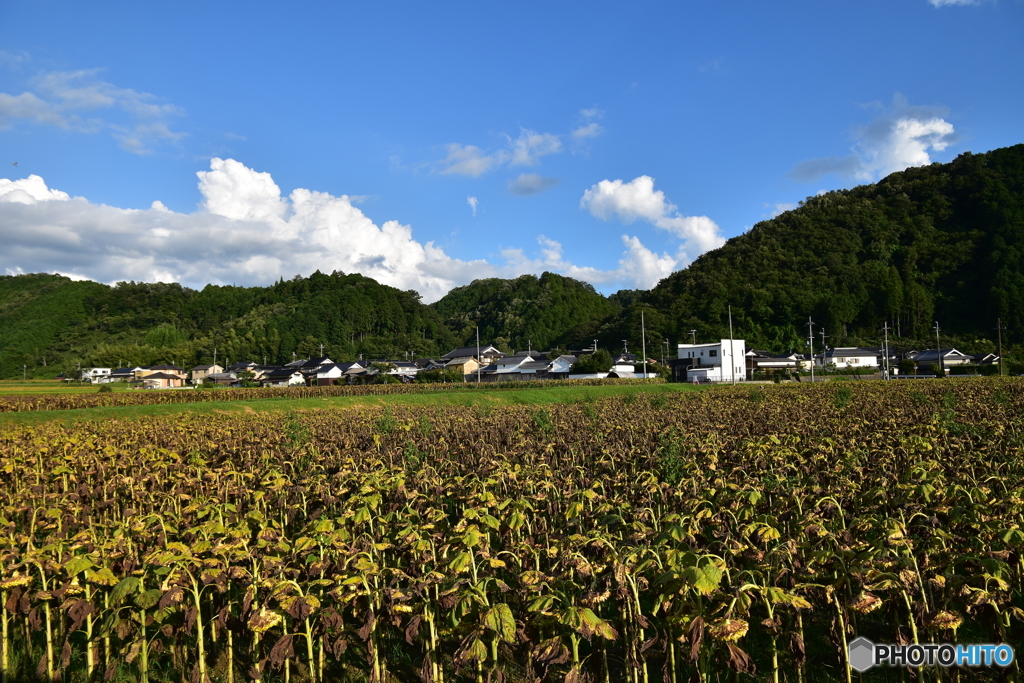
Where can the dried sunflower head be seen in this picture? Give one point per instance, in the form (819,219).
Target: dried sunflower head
(943,620)
(728,629)
(263,620)
(865,602)
(17,579)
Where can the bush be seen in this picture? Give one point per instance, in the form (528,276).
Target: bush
(599,361)
(104,388)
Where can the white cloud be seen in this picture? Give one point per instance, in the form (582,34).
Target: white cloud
(529,147)
(947,3)
(468,160)
(638,199)
(62,98)
(247,233)
(638,268)
(525,150)
(29,191)
(588,130)
(472,201)
(530,183)
(903,136)
(781,208)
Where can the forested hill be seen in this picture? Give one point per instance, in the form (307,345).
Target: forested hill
(943,243)
(50,323)
(529,310)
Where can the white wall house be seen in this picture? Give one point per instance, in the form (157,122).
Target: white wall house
(849,357)
(96,375)
(730,356)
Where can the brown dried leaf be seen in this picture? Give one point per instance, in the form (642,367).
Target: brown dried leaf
(739,660)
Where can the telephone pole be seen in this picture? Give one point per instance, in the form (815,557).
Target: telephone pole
(478,359)
(824,348)
(693,337)
(938,351)
(643,341)
(810,341)
(1000,328)
(885,350)
(732,349)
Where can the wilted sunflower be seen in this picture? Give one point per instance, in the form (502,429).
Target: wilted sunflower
(15,580)
(943,620)
(263,620)
(865,602)
(728,629)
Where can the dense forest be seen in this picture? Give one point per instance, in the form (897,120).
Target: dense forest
(49,323)
(942,243)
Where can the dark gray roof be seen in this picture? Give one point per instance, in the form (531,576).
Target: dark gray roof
(485,350)
(535,365)
(161,375)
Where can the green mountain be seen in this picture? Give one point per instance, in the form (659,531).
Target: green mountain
(50,323)
(942,243)
(541,312)
(938,243)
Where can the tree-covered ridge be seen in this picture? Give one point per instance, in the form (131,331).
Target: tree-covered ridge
(943,242)
(53,320)
(529,310)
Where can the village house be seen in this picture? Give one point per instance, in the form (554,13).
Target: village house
(201,372)
(849,357)
(721,361)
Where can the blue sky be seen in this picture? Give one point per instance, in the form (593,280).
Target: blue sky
(429,145)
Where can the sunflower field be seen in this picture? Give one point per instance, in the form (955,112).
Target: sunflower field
(743,533)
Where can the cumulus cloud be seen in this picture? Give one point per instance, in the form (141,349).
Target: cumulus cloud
(472,201)
(638,267)
(901,137)
(246,232)
(525,150)
(638,199)
(29,191)
(79,101)
(530,183)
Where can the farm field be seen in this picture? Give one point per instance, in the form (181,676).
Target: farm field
(51,386)
(742,533)
(40,408)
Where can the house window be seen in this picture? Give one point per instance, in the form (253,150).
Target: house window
(712,353)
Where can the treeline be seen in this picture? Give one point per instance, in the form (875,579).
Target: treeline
(50,323)
(938,243)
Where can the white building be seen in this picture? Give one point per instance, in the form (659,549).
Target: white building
(721,361)
(96,375)
(848,357)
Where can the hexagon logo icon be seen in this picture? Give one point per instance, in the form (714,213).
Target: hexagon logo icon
(862,654)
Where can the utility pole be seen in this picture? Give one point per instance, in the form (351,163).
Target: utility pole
(478,359)
(643,341)
(824,348)
(321,350)
(885,350)
(214,355)
(529,348)
(999,327)
(625,346)
(938,351)
(666,354)
(693,337)
(732,359)
(595,346)
(810,341)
